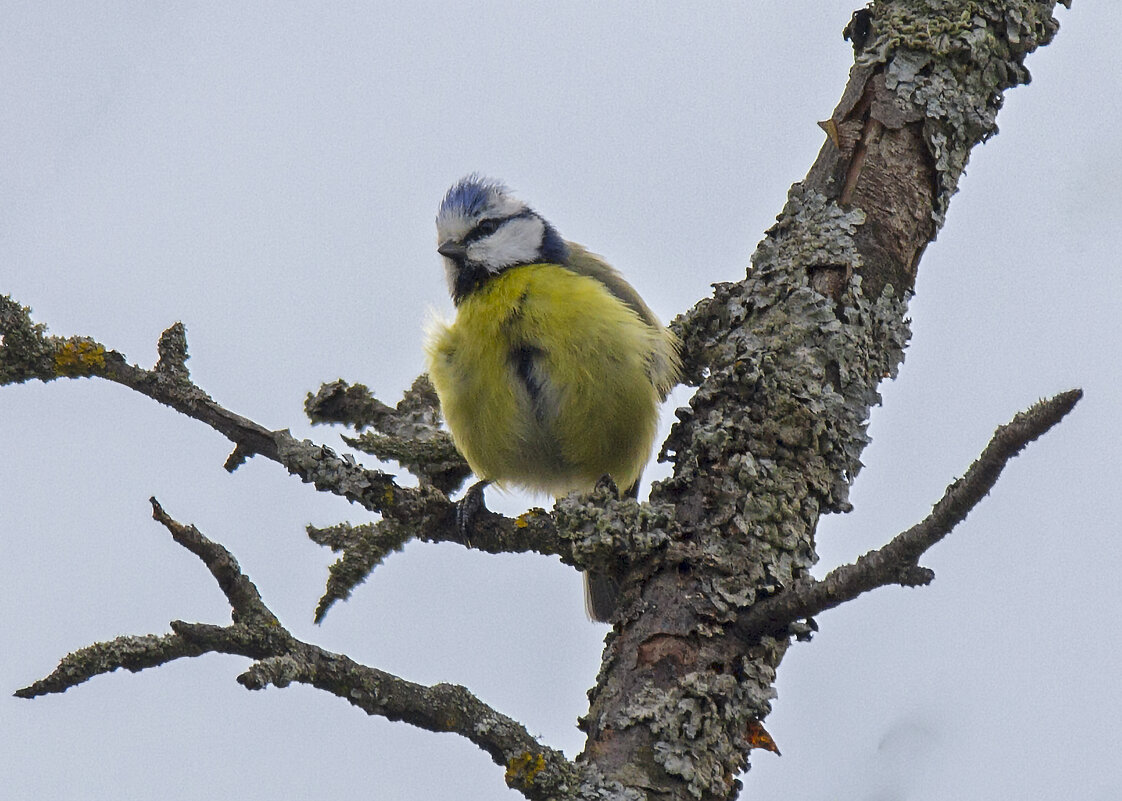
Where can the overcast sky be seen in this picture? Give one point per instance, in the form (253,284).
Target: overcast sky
(269,174)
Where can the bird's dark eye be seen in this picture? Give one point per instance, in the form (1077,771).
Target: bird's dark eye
(486,227)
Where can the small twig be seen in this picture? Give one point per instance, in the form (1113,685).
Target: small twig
(172,348)
(351,404)
(132,653)
(363,547)
(409,433)
(898,561)
(245,600)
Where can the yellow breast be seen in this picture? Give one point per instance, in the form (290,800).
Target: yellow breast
(548,381)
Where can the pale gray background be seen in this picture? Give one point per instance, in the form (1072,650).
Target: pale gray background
(268,174)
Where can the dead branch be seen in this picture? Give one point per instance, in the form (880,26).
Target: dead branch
(28,352)
(409,433)
(281,659)
(898,561)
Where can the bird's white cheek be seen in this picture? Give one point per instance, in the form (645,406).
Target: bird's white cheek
(517,242)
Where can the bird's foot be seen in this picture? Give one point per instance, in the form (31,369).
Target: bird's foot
(606,485)
(468,509)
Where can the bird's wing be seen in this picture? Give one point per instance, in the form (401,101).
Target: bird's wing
(585,263)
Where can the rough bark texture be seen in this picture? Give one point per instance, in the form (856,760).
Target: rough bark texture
(791,358)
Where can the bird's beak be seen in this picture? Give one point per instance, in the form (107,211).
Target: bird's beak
(452,249)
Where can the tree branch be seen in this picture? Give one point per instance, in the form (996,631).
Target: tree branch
(134,653)
(897,562)
(27,352)
(591,532)
(788,362)
(596,530)
(245,600)
(280,659)
(409,434)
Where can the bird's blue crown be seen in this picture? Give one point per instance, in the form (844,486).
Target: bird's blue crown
(469,196)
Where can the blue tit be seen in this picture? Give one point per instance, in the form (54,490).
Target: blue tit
(551,374)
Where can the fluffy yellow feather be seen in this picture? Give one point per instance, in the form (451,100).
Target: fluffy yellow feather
(548,381)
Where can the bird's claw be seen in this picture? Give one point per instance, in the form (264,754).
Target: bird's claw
(606,484)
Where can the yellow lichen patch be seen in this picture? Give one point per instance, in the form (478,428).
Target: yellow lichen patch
(526,518)
(77,357)
(521,770)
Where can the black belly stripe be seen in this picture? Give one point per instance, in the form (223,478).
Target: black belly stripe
(522,358)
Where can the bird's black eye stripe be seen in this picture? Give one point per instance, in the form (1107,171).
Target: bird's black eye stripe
(483,228)
(489,225)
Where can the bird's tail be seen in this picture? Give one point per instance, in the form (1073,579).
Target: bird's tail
(601,596)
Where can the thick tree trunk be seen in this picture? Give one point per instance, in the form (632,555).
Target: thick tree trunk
(789,361)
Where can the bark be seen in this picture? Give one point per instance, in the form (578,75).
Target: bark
(792,357)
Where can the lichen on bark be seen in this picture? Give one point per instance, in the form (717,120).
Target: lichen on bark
(787,364)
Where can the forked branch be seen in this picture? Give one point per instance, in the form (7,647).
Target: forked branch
(28,352)
(898,561)
(281,659)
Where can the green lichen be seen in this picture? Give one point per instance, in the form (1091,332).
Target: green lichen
(776,431)
(26,352)
(954,60)
(705,716)
(606,531)
(770,441)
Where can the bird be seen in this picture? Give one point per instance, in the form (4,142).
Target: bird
(551,373)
